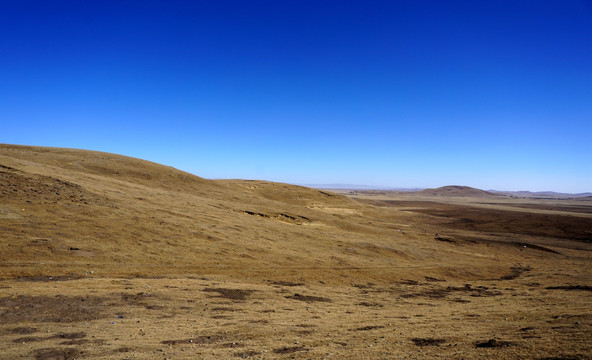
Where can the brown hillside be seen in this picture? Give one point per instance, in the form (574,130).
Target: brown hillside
(127,214)
(106,256)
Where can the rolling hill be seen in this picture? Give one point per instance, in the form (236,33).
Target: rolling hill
(456,190)
(74,207)
(107,256)
(66,211)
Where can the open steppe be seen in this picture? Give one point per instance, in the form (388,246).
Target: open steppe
(106,256)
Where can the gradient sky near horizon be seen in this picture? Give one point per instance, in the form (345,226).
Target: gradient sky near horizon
(489,94)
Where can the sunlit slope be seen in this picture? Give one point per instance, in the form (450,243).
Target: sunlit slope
(66,211)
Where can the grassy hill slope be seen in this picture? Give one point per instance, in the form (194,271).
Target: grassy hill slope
(67,211)
(108,257)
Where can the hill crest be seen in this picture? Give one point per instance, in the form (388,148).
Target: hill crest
(456,191)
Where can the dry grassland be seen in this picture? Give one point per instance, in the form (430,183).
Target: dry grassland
(105,256)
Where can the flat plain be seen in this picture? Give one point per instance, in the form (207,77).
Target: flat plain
(108,257)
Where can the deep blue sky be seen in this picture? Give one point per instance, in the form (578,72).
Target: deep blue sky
(490,94)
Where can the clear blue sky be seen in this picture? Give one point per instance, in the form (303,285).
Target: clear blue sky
(490,94)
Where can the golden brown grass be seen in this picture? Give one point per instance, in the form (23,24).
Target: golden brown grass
(105,256)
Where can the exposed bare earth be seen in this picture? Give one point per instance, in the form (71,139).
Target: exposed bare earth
(105,256)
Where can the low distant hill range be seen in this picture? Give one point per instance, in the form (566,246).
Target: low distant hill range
(543,194)
(453,191)
(457,190)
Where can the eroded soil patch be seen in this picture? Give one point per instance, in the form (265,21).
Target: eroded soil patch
(515,273)
(570,287)
(56,354)
(286,283)
(246,354)
(493,343)
(308,298)
(50,309)
(49,278)
(203,339)
(427,341)
(500,221)
(440,293)
(232,294)
(369,327)
(66,336)
(368,304)
(289,350)
(139,299)
(22,330)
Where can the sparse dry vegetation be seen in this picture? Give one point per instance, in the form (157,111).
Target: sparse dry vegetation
(105,256)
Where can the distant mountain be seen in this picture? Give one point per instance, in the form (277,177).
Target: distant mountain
(456,190)
(541,194)
(453,190)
